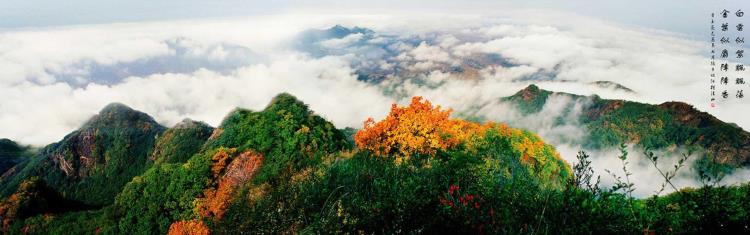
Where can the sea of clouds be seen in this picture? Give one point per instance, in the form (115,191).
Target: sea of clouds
(53,79)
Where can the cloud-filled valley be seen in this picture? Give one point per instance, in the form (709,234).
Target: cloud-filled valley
(348,68)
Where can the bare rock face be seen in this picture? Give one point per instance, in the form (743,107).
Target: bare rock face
(237,172)
(113,136)
(83,149)
(242,169)
(529,93)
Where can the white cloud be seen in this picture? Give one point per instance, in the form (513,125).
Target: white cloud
(37,55)
(508,74)
(646,178)
(37,108)
(40,114)
(341,42)
(447,41)
(426,52)
(539,50)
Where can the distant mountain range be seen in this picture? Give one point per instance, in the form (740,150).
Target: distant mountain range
(607,123)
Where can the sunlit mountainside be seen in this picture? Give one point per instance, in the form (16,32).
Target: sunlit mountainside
(286,169)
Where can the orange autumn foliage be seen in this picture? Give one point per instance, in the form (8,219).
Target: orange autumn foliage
(529,146)
(32,197)
(220,160)
(9,210)
(418,128)
(405,131)
(191,227)
(241,169)
(422,128)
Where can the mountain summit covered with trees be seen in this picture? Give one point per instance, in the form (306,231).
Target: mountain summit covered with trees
(285,169)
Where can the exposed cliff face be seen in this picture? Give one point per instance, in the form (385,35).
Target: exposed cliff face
(117,135)
(229,179)
(77,157)
(251,154)
(93,163)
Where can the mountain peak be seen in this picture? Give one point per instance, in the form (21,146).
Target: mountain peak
(287,101)
(531,92)
(9,145)
(532,87)
(120,115)
(340,31)
(93,163)
(612,85)
(10,148)
(530,99)
(177,144)
(11,153)
(115,107)
(338,27)
(190,123)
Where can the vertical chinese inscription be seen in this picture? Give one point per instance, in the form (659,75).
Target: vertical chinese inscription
(727,77)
